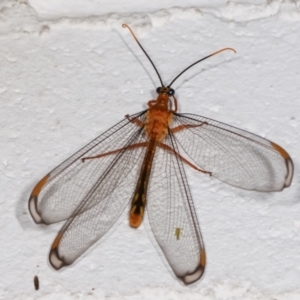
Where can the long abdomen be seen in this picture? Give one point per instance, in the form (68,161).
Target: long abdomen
(139,199)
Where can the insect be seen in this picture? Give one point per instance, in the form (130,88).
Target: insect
(140,162)
(36,282)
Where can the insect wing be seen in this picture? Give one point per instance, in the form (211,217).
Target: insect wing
(104,201)
(172,216)
(235,156)
(61,191)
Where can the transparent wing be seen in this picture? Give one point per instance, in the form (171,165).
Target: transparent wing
(172,216)
(61,191)
(100,208)
(234,156)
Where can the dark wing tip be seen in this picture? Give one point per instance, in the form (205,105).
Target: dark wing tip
(193,277)
(289,164)
(32,203)
(32,206)
(197,274)
(290,172)
(55,260)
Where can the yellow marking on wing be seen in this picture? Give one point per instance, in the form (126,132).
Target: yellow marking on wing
(39,186)
(203,258)
(56,241)
(282,152)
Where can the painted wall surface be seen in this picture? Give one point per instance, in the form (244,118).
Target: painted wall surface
(69,72)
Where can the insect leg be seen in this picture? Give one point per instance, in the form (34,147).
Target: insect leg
(136,121)
(181,127)
(175,105)
(166,147)
(116,151)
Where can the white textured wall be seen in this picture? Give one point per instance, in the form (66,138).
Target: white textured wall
(68,72)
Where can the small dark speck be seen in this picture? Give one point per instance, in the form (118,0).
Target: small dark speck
(36,283)
(44,29)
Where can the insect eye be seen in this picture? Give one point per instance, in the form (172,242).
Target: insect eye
(171,92)
(158,90)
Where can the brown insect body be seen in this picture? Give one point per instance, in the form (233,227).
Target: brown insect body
(91,189)
(158,119)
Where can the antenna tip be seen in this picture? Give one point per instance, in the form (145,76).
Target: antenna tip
(124,25)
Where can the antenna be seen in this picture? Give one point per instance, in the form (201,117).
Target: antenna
(198,62)
(126,26)
(162,85)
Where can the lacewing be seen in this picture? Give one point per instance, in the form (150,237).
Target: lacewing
(140,162)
